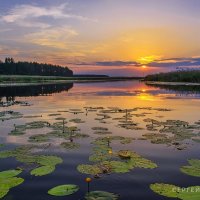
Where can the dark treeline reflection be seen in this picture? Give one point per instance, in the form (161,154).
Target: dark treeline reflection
(35,90)
(180,89)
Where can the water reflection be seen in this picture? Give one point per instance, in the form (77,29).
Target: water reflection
(11,92)
(119,88)
(180,90)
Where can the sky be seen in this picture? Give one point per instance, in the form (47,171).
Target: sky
(113,37)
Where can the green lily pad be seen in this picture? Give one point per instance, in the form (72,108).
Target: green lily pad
(49,160)
(101,195)
(9,174)
(70,145)
(8,181)
(63,190)
(100,129)
(42,171)
(23,154)
(172,191)
(89,169)
(117,166)
(193,169)
(77,121)
(40,138)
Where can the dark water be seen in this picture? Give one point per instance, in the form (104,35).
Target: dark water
(47,99)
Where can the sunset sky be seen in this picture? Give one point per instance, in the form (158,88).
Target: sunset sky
(114,37)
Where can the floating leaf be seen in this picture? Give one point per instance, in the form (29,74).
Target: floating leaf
(44,170)
(63,190)
(89,169)
(101,195)
(23,154)
(70,145)
(77,121)
(193,169)
(9,174)
(8,181)
(38,138)
(190,193)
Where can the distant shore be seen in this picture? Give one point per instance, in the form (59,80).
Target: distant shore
(23,80)
(172,83)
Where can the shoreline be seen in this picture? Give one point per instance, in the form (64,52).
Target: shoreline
(171,83)
(6,81)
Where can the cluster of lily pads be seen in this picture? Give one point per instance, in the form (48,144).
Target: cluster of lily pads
(8,115)
(12,103)
(103,160)
(8,180)
(172,191)
(171,132)
(65,190)
(40,165)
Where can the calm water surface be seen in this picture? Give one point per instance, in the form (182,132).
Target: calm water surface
(49,99)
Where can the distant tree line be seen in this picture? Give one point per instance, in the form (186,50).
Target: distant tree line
(10,67)
(192,76)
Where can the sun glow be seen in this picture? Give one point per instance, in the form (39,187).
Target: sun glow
(147,59)
(144,66)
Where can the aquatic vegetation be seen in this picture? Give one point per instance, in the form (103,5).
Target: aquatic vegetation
(89,169)
(157,138)
(9,174)
(124,154)
(63,190)
(21,129)
(9,115)
(99,129)
(32,116)
(9,180)
(18,130)
(54,114)
(60,118)
(1,145)
(129,125)
(102,132)
(196,140)
(108,163)
(44,170)
(172,191)
(37,124)
(193,169)
(40,138)
(12,103)
(70,145)
(77,120)
(115,167)
(23,154)
(180,131)
(97,195)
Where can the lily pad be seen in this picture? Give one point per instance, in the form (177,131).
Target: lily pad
(100,195)
(100,129)
(23,154)
(40,138)
(89,169)
(9,174)
(70,145)
(63,190)
(42,171)
(193,169)
(77,121)
(172,191)
(8,181)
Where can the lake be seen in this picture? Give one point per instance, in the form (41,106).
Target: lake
(159,124)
